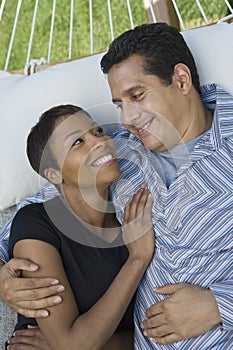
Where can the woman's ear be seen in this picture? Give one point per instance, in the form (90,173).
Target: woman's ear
(53,175)
(182,77)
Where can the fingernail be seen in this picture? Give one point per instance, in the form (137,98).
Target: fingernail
(142,326)
(145,333)
(54,282)
(60,288)
(44,313)
(57,300)
(33,267)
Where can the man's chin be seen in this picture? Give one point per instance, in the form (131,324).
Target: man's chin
(151,144)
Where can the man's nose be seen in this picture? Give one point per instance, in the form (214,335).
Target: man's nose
(130,113)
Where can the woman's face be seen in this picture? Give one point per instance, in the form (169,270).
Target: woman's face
(85,155)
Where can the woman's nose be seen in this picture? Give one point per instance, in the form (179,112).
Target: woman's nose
(97,142)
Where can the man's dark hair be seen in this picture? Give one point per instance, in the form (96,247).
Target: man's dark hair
(39,152)
(160,45)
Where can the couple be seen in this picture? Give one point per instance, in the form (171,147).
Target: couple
(178,141)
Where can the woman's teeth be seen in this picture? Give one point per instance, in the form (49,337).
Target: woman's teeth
(103,160)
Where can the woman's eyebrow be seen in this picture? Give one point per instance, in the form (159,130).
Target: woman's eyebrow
(80,132)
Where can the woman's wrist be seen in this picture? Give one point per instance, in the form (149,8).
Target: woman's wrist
(140,262)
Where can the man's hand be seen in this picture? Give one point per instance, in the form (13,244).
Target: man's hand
(28,339)
(27,296)
(189,311)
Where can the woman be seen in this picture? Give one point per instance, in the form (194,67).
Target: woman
(77,238)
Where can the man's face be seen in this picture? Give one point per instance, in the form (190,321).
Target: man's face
(150,110)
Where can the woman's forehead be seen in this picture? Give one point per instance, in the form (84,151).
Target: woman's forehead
(80,121)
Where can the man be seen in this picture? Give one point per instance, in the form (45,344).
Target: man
(182,149)
(154,81)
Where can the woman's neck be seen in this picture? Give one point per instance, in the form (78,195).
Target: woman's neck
(93,208)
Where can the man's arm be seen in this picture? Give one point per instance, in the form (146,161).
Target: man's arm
(29,297)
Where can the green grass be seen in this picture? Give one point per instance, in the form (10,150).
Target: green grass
(81,40)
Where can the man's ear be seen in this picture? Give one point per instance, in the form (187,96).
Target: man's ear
(182,77)
(53,175)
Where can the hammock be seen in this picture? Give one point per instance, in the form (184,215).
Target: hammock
(155,10)
(25,95)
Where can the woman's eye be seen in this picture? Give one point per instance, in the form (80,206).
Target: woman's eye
(77,142)
(99,131)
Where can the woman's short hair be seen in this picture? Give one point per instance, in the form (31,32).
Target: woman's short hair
(38,149)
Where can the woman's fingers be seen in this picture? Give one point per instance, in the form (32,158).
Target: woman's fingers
(135,205)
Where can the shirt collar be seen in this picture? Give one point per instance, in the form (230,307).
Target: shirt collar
(222,126)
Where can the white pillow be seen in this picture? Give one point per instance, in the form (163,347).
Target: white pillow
(212,48)
(81,82)
(24,98)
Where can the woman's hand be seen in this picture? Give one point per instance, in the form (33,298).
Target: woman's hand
(137,227)
(28,339)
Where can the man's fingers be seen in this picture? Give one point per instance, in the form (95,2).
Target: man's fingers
(33,303)
(169,288)
(153,322)
(157,332)
(22,264)
(37,309)
(22,284)
(37,294)
(167,339)
(162,335)
(41,303)
(154,310)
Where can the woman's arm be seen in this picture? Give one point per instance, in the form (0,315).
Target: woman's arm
(65,328)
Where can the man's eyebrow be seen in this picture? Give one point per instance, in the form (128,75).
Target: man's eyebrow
(128,92)
(116,100)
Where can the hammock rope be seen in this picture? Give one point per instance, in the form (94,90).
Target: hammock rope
(149,6)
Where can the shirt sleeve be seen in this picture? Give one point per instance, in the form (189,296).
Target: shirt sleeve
(47,192)
(223,292)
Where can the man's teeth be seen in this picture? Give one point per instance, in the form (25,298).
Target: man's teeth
(104,159)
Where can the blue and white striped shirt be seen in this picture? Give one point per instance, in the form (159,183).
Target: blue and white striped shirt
(192,219)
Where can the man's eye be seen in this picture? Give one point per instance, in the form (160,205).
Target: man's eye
(77,142)
(99,131)
(118,105)
(137,96)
